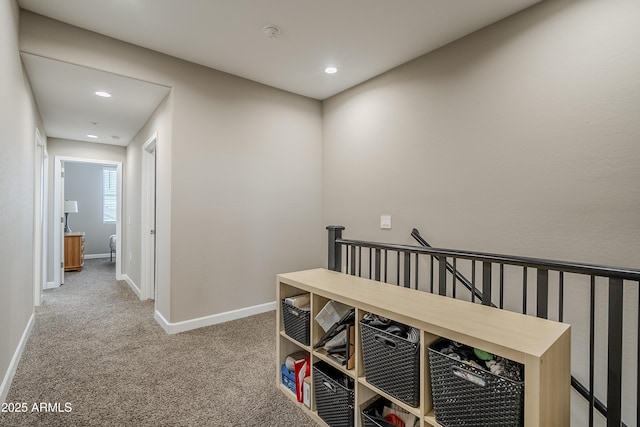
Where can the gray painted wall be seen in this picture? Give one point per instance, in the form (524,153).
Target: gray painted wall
(18,120)
(521,138)
(83,183)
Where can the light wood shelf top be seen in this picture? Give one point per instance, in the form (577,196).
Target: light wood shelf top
(501,332)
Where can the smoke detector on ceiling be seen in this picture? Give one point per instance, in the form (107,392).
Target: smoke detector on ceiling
(271,31)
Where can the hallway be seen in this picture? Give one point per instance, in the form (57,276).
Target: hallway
(96,357)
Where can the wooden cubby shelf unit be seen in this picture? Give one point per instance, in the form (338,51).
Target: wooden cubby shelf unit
(542,346)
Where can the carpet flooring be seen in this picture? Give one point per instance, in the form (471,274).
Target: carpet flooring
(96,357)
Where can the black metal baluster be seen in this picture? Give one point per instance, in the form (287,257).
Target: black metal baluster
(473,281)
(416,274)
(431,272)
(386,266)
(398,269)
(370,262)
(455,275)
(542,298)
(561,298)
(592,331)
(486,283)
(525,290)
(353,260)
(614,359)
(501,286)
(407,269)
(359,261)
(442,276)
(346,255)
(377,269)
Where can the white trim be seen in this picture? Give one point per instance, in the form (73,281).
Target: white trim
(11,371)
(214,319)
(58,241)
(132,285)
(94,256)
(52,285)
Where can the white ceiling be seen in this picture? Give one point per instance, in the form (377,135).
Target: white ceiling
(362,38)
(65,94)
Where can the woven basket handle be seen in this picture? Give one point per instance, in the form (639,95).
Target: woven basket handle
(329,386)
(468,376)
(384,340)
(295,313)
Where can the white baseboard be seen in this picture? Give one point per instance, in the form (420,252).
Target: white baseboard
(94,256)
(13,365)
(187,325)
(52,285)
(132,285)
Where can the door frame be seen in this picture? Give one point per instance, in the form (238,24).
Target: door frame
(40,215)
(148,224)
(58,241)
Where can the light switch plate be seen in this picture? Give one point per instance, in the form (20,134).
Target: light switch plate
(385,222)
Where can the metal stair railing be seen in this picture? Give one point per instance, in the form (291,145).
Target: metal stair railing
(350,261)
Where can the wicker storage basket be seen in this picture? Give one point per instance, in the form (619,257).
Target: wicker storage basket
(334,394)
(391,363)
(464,395)
(296,323)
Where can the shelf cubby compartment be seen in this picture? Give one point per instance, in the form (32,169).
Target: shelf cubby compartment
(318,303)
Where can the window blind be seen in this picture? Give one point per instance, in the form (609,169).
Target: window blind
(109,200)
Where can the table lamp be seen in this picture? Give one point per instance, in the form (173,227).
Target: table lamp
(70,206)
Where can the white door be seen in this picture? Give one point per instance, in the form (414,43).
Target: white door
(149,232)
(58,221)
(152,221)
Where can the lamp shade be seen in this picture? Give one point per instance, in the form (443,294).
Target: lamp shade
(70,206)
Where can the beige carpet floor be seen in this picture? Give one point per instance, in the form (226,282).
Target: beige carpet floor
(96,352)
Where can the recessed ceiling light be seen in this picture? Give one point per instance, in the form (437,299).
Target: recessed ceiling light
(103,94)
(91,136)
(331,70)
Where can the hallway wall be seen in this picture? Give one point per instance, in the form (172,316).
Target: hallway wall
(18,120)
(521,138)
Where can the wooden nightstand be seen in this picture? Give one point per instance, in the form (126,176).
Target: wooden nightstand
(73,251)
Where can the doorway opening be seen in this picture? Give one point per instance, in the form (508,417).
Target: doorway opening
(59,212)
